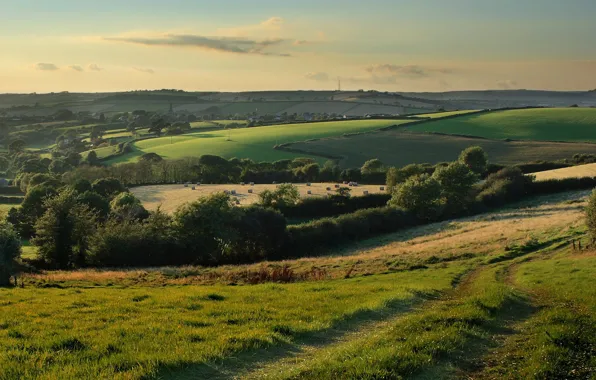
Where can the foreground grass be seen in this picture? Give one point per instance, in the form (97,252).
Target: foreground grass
(414,342)
(548,124)
(559,342)
(138,332)
(255,143)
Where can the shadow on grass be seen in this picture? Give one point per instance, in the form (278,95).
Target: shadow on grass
(252,359)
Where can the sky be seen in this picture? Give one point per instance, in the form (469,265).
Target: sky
(242,45)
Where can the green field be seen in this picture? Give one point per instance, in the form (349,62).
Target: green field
(255,143)
(399,148)
(437,115)
(53,333)
(548,124)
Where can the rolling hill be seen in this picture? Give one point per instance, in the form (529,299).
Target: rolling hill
(542,124)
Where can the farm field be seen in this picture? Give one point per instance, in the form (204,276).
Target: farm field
(438,115)
(542,124)
(588,170)
(436,301)
(170,197)
(255,143)
(399,148)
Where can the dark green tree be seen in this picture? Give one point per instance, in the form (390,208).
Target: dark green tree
(475,159)
(10,251)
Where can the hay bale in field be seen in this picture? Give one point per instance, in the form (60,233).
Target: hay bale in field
(345,182)
(337,186)
(365,192)
(194,188)
(241,183)
(250,191)
(233,192)
(382,188)
(308,184)
(309,192)
(237,201)
(227,192)
(328,189)
(186,185)
(198,183)
(252,183)
(274,182)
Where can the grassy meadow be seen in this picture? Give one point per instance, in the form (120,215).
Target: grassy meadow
(255,143)
(115,333)
(542,124)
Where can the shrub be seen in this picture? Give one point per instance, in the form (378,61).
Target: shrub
(285,195)
(591,214)
(108,187)
(506,185)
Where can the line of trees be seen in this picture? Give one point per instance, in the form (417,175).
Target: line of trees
(101,224)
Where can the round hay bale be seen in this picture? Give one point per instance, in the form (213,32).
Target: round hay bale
(328,189)
(382,188)
(194,188)
(309,192)
(250,191)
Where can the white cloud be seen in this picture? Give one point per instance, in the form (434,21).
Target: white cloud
(46,67)
(144,70)
(94,67)
(319,77)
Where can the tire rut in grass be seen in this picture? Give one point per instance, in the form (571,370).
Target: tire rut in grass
(249,362)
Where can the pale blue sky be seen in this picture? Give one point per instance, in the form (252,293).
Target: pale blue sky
(426,45)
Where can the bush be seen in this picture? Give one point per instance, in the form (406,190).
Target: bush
(285,195)
(475,159)
(421,195)
(10,251)
(108,187)
(333,206)
(507,185)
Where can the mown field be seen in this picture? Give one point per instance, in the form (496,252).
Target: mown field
(170,197)
(588,170)
(255,143)
(470,298)
(400,148)
(544,124)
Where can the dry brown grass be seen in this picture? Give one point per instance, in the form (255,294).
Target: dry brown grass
(588,170)
(170,197)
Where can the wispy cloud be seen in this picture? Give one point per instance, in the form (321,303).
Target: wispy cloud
(94,67)
(222,44)
(319,77)
(507,84)
(144,70)
(46,67)
(411,71)
(76,68)
(273,23)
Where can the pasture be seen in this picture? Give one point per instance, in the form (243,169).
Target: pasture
(399,148)
(255,143)
(430,301)
(170,197)
(541,124)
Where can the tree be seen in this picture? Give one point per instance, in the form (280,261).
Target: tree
(16,146)
(591,214)
(81,186)
(108,187)
(372,166)
(127,206)
(10,252)
(421,195)
(456,181)
(59,166)
(95,202)
(311,172)
(204,227)
(92,159)
(475,158)
(64,230)
(285,195)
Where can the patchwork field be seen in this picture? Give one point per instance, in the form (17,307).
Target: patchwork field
(547,124)
(399,148)
(588,170)
(466,298)
(255,143)
(170,197)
